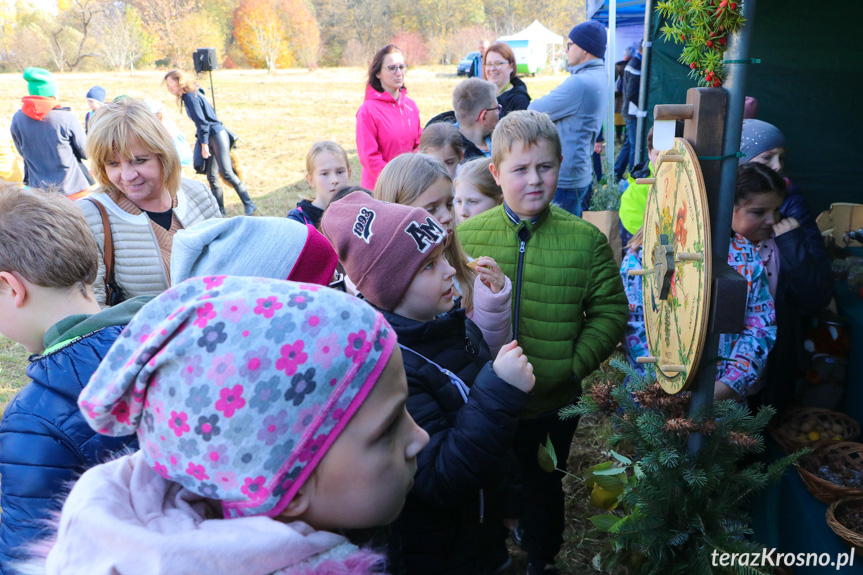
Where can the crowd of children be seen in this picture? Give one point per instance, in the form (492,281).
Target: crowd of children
(254,418)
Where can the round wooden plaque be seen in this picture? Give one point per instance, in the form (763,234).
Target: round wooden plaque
(676,286)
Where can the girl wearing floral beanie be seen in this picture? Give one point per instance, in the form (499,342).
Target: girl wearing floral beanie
(239,390)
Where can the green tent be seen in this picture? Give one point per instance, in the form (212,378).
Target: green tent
(809,84)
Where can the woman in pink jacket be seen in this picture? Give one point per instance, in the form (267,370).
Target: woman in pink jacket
(388,122)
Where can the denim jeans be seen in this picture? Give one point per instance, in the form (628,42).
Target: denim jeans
(626,157)
(573,199)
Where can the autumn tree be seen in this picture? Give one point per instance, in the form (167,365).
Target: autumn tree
(168,21)
(71,37)
(304,36)
(277,33)
(261,33)
(124,42)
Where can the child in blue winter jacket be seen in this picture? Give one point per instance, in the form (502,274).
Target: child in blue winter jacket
(48,261)
(453,521)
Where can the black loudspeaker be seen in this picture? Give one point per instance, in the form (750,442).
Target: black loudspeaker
(205,60)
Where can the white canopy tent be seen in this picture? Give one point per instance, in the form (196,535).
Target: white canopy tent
(534,47)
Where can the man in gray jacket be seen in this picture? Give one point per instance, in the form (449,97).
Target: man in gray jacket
(49,137)
(578,107)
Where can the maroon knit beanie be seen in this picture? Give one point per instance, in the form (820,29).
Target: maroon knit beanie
(381,245)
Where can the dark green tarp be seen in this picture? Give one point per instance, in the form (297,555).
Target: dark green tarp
(809,84)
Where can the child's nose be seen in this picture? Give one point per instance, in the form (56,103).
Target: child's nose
(449,271)
(419,439)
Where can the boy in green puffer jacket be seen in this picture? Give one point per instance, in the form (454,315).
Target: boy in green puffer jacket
(569,307)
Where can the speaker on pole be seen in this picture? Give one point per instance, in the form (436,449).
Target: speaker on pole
(205,60)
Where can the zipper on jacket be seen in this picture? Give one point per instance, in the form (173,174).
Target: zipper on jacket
(524,237)
(468,346)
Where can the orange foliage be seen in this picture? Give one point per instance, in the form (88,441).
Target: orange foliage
(277,33)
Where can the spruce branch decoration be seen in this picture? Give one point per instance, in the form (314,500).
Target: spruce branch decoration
(664,510)
(702,26)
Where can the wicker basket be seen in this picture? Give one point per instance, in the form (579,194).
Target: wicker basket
(782,429)
(825,491)
(851,538)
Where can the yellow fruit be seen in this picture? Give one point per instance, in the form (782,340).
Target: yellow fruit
(814,436)
(836,438)
(602,498)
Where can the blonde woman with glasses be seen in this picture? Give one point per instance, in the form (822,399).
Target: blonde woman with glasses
(499,68)
(388,122)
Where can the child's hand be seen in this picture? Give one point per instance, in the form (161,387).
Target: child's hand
(785,225)
(512,366)
(490,274)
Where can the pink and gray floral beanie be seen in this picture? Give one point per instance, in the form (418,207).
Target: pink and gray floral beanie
(237,387)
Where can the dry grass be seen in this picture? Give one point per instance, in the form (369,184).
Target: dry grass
(278,118)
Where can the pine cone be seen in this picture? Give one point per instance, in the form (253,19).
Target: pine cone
(709,426)
(741,440)
(680,425)
(601,393)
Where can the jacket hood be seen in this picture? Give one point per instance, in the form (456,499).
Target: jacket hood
(136,522)
(518,85)
(37,107)
(385,97)
(76,326)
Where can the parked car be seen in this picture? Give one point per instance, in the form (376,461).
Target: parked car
(463,67)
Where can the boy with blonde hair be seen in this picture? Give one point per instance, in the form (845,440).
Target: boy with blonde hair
(477,113)
(48,263)
(569,307)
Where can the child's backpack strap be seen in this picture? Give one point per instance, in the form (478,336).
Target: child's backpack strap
(463,389)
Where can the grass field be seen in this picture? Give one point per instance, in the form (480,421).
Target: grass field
(278,118)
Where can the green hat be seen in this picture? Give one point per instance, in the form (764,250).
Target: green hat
(40,82)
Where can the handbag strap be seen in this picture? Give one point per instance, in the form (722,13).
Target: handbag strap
(109,244)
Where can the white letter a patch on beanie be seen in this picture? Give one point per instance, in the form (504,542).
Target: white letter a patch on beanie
(425,234)
(363,224)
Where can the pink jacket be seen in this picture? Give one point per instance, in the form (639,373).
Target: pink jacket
(385,129)
(492,313)
(122,517)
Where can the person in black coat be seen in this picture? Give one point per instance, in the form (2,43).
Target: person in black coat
(499,68)
(213,140)
(453,519)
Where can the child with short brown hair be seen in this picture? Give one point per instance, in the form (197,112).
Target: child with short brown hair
(48,263)
(569,308)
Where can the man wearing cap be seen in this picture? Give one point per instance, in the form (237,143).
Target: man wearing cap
(49,138)
(578,107)
(95,99)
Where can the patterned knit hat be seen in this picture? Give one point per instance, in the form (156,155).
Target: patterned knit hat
(757,137)
(237,387)
(381,245)
(276,248)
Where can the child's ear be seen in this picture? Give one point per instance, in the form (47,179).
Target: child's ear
(13,286)
(309,181)
(301,502)
(494,173)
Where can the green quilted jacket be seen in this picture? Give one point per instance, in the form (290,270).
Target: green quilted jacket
(569,307)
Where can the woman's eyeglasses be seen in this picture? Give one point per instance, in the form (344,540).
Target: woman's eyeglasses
(495,65)
(396,68)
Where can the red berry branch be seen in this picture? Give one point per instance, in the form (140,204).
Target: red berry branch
(702,26)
